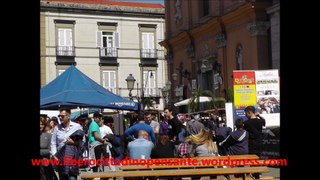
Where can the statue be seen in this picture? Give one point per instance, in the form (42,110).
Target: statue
(178,15)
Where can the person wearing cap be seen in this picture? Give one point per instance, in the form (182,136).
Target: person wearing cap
(194,126)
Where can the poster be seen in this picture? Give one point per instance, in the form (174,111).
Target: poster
(258,88)
(244,91)
(268,96)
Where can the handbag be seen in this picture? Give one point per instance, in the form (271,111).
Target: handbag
(114,152)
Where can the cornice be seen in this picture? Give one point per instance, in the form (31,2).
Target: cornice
(102,9)
(243,12)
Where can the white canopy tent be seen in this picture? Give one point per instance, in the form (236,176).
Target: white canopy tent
(186,101)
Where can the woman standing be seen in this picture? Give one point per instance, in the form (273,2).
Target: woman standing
(46,172)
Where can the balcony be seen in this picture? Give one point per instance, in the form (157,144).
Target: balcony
(152,92)
(148,53)
(68,51)
(65,55)
(109,52)
(108,56)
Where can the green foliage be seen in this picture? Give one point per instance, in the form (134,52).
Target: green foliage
(211,104)
(147,102)
(230,96)
(215,101)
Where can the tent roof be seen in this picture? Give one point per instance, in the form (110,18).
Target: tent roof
(74,89)
(186,101)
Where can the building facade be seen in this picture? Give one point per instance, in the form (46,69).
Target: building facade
(107,41)
(207,39)
(274,15)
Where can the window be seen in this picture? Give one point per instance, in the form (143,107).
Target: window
(149,83)
(61,71)
(65,45)
(64,39)
(109,80)
(204,6)
(108,43)
(148,50)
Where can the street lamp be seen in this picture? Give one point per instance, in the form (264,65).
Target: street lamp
(174,76)
(178,92)
(130,84)
(168,85)
(165,93)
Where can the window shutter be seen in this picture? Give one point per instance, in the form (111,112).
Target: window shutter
(144,41)
(99,34)
(68,37)
(107,80)
(116,39)
(112,81)
(151,41)
(61,37)
(104,79)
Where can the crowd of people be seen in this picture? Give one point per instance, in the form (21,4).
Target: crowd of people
(171,136)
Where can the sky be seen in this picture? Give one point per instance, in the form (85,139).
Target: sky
(147,1)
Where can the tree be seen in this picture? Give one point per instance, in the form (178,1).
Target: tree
(229,95)
(147,102)
(214,101)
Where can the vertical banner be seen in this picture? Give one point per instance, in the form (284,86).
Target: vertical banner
(268,96)
(229,115)
(244,91)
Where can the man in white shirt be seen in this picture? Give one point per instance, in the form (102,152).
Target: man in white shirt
(104,130)
(60,137)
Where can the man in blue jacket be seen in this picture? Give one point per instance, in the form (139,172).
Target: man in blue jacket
(132,133)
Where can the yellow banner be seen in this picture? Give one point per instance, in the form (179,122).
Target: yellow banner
(244,95)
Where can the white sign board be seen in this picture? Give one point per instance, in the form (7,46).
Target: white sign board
(229,115)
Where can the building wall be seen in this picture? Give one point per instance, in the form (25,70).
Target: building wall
(274,13)
(241,23)
(87,54)
(42,50)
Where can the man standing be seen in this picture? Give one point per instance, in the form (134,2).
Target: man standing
(96,141)
(254,126)
(61,137)
(174,126)
(133,132)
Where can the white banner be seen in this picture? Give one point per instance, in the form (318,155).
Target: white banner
(268,96)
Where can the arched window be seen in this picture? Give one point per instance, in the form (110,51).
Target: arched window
(239,57)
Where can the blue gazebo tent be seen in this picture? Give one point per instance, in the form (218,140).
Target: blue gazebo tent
(74,89)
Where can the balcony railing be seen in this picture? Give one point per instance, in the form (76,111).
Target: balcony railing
(148,53)
(65,51)
(152,92)
(108,52)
